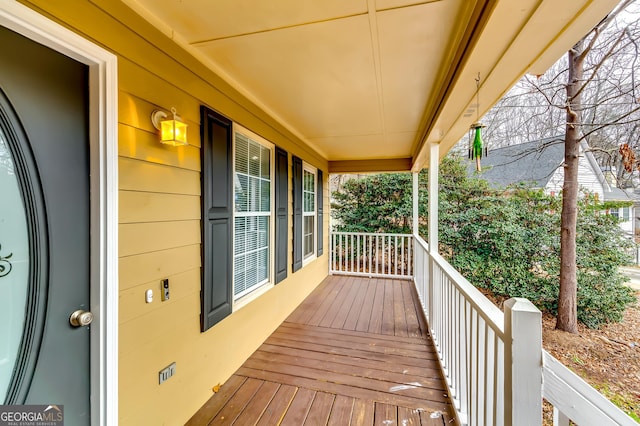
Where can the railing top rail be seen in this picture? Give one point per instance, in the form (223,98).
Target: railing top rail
(485,308)
(379,234)
(421,242)
(576,398)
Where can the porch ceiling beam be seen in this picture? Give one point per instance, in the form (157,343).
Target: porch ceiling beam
(370,166)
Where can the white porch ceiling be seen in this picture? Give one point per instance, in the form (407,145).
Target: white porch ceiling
(367,81)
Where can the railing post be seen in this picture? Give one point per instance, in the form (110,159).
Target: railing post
(523,363)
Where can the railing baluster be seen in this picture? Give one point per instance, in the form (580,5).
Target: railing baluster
(387,262)
(370,248)
(351,252)
(377,255)
(491,388)
(482,371)
(394,254)
(383,254)
(359,259)
(404,242)
(500,382)
(332,253)
(340,260)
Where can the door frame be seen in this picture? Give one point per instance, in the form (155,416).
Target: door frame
(103,166)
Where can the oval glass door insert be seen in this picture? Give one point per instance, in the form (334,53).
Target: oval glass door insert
(14,265)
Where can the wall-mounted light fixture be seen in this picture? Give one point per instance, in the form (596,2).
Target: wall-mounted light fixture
(173,131)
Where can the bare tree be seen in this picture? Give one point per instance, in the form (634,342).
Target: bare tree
(591,94)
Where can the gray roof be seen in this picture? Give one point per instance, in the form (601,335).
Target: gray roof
(617,194)
(532,163)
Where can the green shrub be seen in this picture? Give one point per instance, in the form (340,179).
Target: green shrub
(507,241)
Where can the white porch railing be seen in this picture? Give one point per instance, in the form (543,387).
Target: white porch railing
(471,335)
(373,255)
(493,361)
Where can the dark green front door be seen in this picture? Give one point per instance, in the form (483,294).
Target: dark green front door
(44,228)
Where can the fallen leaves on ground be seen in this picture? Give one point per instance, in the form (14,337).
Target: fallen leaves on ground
(607,358)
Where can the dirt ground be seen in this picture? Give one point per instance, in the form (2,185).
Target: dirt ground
(608,358)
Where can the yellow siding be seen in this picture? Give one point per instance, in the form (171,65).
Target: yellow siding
(138,238)
(160,216)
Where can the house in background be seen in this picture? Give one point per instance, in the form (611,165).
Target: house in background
(539,164)
(137,276)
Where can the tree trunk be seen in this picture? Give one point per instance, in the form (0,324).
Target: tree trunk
(567,300)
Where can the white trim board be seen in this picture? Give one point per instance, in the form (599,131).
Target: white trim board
(103,122)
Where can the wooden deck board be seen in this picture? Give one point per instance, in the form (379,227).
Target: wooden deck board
(378,337)
(320,409)
(214,405)
(348,390)
(364,319)
(423,389)
(341,411)
(399,311)
(363,371)
(328,301)
(386,414)
(338,305)
(310,305)
(408,417)
(432,372)
(355,352)
(300,406)
(357,306)
(278,406)
(363,412)
(348,305)
(256,407)
(313,334)
(236,404)
(388,315)
(375,325)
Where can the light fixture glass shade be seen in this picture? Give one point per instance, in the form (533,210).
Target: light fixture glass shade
(173,132)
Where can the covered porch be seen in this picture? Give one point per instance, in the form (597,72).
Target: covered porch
(356,351)
(395,335)
(325,87)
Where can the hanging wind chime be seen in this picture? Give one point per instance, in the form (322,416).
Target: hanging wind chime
(477,148)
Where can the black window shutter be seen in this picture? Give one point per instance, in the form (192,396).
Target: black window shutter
(319,213)
(297,213)
(282,210)
(217,217)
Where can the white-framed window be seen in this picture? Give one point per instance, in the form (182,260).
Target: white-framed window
(308,212)
(626,214)
(253,220)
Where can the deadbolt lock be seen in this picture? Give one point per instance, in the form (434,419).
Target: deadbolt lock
(80,318)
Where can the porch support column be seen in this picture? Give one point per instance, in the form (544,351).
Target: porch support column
(415,195)
(434,163)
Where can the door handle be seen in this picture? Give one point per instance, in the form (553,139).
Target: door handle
(80,318)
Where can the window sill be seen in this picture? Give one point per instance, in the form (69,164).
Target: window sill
(248,298)
(309,259)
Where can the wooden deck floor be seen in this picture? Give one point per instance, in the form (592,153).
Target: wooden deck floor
(355,352)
